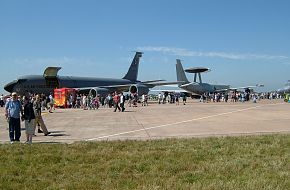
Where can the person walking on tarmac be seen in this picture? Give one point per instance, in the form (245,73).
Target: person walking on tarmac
(51,103)
(184,99)
(2,100)
(122,101)
(116,99)
(38,117)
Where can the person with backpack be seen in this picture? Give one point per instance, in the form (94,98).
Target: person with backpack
(13,109)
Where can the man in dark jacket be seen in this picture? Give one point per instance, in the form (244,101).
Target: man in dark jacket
(29,118)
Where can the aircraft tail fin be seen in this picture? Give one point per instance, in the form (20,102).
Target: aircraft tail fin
(180,73)
(132,73)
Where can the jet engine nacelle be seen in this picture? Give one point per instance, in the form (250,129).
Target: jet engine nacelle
(139,89)
(99,91)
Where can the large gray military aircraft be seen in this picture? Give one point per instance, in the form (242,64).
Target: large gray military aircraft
(47,82)
(285,89)
(199,87)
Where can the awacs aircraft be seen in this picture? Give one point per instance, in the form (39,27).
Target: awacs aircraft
(50,80)
(199,87)
(285,89)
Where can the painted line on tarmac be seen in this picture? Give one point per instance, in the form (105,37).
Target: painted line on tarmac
(180,122)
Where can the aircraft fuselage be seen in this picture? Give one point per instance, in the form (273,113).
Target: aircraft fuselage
(201,88)
(38,84)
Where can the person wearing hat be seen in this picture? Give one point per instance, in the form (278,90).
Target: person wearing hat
(13,108)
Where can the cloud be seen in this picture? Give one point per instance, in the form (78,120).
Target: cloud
(189,53)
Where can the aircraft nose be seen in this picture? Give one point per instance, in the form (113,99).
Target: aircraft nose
(10,86)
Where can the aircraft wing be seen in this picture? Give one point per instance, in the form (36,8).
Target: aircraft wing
(170,91)
(150,81)
(125,87)
(237,88)
(256,86)
(110,88)
(188,84)
(159,83)
(180,91)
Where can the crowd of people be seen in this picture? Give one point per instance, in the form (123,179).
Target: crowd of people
(27,109)
(234,96)
(92,102)
(237,96)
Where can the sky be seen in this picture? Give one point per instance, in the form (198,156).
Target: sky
(243,42)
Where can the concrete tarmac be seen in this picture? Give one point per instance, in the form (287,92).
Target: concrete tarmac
(156,121)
